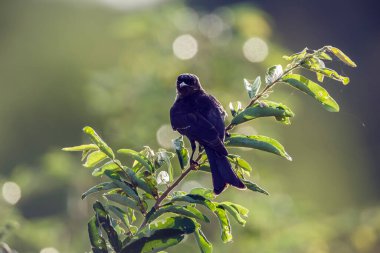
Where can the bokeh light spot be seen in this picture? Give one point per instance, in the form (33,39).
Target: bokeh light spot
(364,238)
(211,25)
(255,49)
(49,250)
(127,5)
(185,47)
(165,135)
(11,192)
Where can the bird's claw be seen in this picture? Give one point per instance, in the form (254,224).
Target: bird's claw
(194,163)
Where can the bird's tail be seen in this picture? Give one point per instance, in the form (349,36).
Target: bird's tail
(222,173)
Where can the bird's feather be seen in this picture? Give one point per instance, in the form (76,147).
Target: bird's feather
(200,117)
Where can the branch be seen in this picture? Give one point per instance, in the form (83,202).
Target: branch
(193,166)
(278,80)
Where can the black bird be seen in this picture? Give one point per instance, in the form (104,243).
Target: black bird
(200,117)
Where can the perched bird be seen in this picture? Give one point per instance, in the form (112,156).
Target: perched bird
(200,117)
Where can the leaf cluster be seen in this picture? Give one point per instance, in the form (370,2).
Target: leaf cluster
(142,187)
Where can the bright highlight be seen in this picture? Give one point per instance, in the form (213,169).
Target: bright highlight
(11,192)
(165,135)
(49,250)
(185,47)
(255,49)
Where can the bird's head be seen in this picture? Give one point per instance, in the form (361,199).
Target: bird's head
(188,84)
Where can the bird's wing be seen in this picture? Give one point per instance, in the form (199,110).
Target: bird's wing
(198,128)
(213,111)
(221,110)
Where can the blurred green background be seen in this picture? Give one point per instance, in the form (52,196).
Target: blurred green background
(112,64)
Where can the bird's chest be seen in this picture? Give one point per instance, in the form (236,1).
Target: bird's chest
(198,106)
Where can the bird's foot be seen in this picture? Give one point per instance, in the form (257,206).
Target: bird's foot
(193,163)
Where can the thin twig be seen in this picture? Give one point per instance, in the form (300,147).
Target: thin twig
(269,86)
(193,166)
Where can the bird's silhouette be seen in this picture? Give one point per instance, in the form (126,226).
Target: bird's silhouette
(200,117)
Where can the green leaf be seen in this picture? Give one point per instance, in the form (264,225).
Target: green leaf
(254,187)
(160,240)
(204,192)
(203,158)
(123,200)
(196,199)
(161,235)
(98,244)
(241,209)
(252,88)
(314,64)
(120,214)
(273,74)
(235,108)
(184,224)
(82,147)
(131,215)
(237,160)
(113,175)
(127,189)
(110,166)
(94,158)
(139,157)
(148,187)
(182,152)
(263,109)
(204,245)
(342,56)
(149,154)
(256,86)
(320,77)
(296,56)
(151,181)
(99,142)
(332,74)
(178,193)
(163,157)
(117,226)
(324,56)
(85,153)
(105,221)
(100,187)
(311,88)
(163,177)
(188,211)
(205,167)
(224,224)
(260,142)
(230,207)
(318,66)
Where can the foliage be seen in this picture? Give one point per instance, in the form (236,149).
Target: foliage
(144,184)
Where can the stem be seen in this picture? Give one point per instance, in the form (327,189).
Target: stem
(156,206)
(269,86)
(171,187)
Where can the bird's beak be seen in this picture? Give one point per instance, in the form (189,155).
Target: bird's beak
(183,84)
